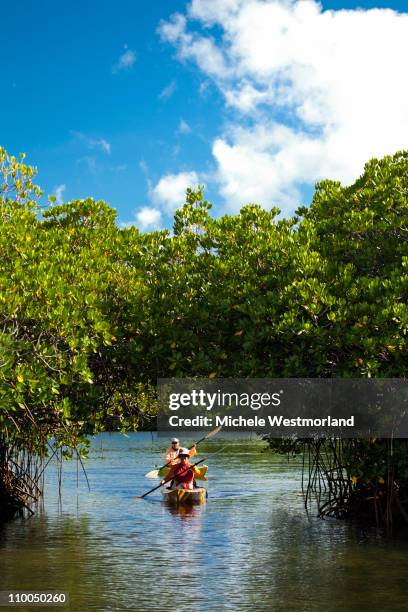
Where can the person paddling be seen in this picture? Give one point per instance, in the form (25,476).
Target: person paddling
(182,474)
(173,452)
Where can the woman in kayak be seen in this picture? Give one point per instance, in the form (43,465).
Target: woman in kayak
(182,474)
(172,453)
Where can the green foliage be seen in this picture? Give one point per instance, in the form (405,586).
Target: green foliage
(252,295)
(61,296)
(92,314)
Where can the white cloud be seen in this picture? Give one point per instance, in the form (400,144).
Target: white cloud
(59,190)
(203,88)
(125,61)
(103,144)
(170,191)
(317,92)
(168,91)
(193,46)
(93,143)
(145,219)
(172,30)
(246,97)
(211,11)
(183,127)
(144,167)
(252,168)
(148,218)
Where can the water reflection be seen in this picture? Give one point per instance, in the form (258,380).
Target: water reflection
(182,511)
(250,547)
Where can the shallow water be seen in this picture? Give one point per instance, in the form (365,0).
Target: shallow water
(251,547)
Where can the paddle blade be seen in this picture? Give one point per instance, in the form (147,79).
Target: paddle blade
(152,474)
(213,432)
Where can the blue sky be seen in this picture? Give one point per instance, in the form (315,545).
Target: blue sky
(131,101)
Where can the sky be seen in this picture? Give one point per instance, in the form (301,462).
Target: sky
(133,102)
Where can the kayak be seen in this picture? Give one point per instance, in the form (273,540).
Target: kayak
(185,496)
(202,469)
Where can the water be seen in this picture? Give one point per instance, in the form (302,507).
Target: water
(252,547)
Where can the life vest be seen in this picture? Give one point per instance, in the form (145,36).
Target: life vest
(171,456)
(183,474)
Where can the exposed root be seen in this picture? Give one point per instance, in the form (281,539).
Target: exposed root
(21,483)
(328,478)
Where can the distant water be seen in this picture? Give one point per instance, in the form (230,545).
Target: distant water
(252,547)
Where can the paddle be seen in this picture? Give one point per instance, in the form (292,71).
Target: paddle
(155,473)
(168,480)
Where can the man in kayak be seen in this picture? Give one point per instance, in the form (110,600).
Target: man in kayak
(182,474)
(172,453)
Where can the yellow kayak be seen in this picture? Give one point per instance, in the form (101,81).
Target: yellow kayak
(185,496)
(201,476)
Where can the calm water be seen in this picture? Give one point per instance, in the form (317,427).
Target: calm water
(252,547)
